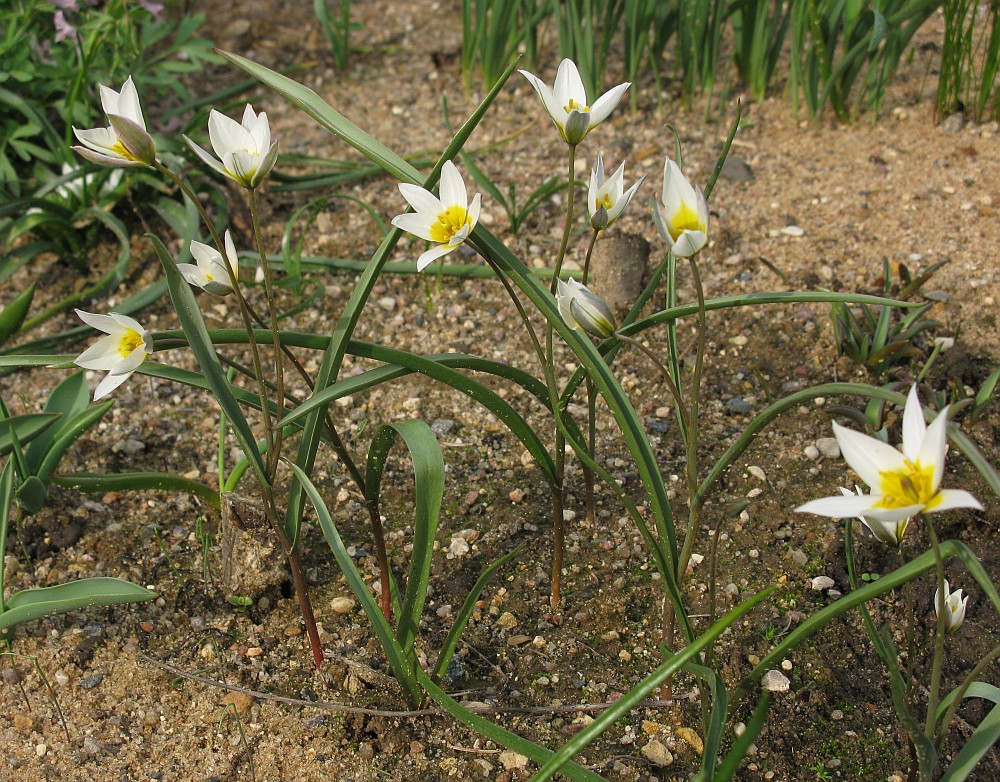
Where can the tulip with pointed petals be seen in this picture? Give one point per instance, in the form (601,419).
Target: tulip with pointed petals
(581,308)
(608,194)
(568,105)
(210,272)
(954,607)
(447,221)
(120,352)
(681,214)
(902,484)
(245,152)
(125,144)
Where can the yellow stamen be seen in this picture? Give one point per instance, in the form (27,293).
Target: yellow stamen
(605,202)
(911,484)
(573,105)
(684,219)
(119,149)
(449,222)
(129,341)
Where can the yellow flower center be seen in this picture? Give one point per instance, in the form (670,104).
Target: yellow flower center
(449,222)
(119,149)
(605,202)
(684,219)
(574,106)
(129,341)
(911,484)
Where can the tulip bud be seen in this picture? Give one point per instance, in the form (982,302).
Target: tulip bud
(581,308)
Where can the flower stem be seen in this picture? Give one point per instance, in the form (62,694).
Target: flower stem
(273,455)
(558,520)
(937,661)
(588,474)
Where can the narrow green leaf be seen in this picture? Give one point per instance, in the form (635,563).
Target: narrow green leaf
(428,480)
(24,428)
(201,345)
(91,483)
(642,690)
(69,432)
(501,736)
(13,315)
(462,618)
(742,744)
(983,739)
(30,604)
(404,667)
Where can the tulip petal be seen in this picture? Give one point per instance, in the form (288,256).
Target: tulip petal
(839,507)
(128,104)
(453,192)
(420,199)
(913,426)
(569,86)
(127,322)
(226,134)
(130,363)
(948,499)
(867,456)
(893,514)
(432,255)
(108,384)
(414,223)
(604,105)
(102,355)
(475,208)
(206,158)
(104,323)
(934,446)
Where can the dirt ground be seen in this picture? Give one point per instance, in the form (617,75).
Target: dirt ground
(818,205)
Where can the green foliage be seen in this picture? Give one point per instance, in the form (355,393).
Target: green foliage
(843,52)
(970,58)
(881,338)
(336,24)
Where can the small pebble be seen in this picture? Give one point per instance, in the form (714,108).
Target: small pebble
(822,582)
(811,452)
(737,405)
(388,303)
(657,753)
(513,761)
(775,681)
(836,714)
(89,682)
(342,605)
(829,447)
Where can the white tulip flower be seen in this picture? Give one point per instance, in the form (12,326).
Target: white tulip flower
(447,221)
(681,215)
(125,143)
(210,272)
(889,532)
(902,484)
(568,105)
(119,353)
(581,308)
(609,194)
(954,606)
(245,151)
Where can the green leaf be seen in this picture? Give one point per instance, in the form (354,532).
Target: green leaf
(25,428)
(32,494)
(30,604)
(983,739)
(69,432)
(462,618)
(14,313)
(69,398)
(633,697)
(137,481)
(403,666)
(428,480)
(201,345)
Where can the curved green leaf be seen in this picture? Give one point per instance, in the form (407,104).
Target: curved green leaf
(13,315)
(24,428)
(403,666)
(428,480)
(30,604)
(90,483)
(983,739)
(69,432)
